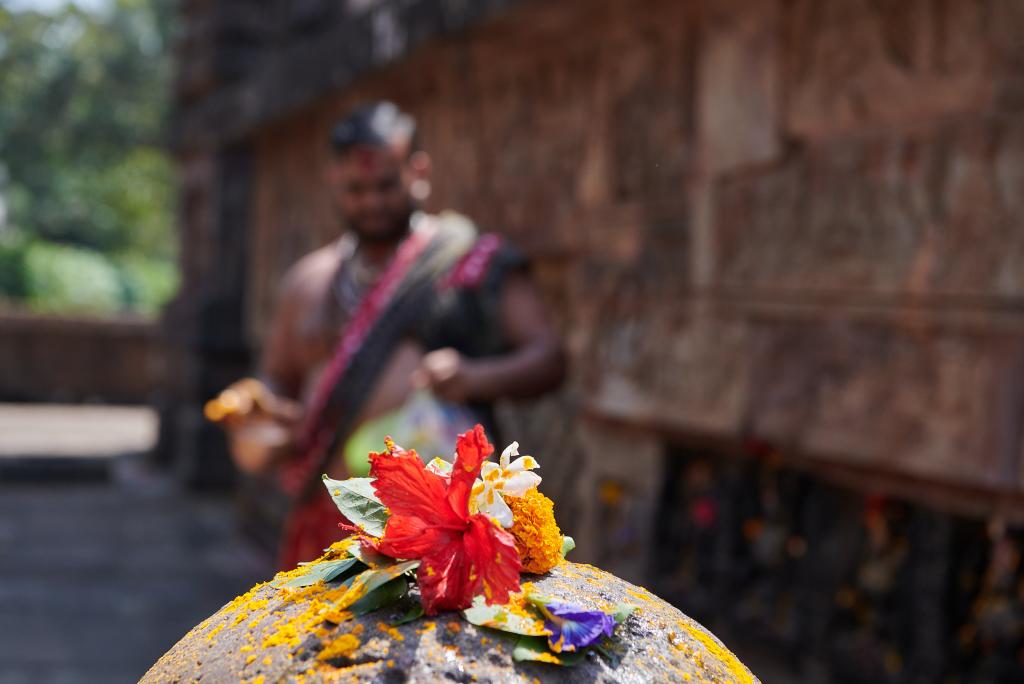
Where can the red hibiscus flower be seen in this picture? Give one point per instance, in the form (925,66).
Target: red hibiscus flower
(461,555)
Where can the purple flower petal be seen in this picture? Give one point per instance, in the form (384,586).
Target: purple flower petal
(573,627)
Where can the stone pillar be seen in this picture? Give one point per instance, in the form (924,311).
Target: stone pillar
(207,321)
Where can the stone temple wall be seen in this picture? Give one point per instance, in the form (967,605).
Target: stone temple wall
(784,240)
(45,358)
(790,221)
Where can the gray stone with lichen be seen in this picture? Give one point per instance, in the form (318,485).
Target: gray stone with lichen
(263,637)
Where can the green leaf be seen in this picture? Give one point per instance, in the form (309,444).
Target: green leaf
(319,572)
(568,544)
(384,595)
(358,502)
(536,649)
(541,600)
(341,566)
(415,613)
(368,580)
(354,547)
(610,655)
(501,618)
(622,612)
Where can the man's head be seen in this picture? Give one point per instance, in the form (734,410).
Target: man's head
(376,175)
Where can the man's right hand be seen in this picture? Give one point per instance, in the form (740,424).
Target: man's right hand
(260,425)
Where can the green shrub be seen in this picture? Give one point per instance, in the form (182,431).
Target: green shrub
(12,267)
(148,283)
(62,279)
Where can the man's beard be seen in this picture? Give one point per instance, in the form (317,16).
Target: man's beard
(396,231)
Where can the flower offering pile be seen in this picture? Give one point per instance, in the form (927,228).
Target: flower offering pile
(454,537)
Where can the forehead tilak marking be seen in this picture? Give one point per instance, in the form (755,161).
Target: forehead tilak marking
(366,158)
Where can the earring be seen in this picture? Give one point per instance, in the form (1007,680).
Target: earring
(420,189)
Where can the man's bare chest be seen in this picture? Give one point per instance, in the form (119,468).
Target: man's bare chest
(317,328)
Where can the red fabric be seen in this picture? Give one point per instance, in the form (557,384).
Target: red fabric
(311,527)
(315,434)
(461,555)
(470,270)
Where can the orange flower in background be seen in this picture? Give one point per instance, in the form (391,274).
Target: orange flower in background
(461,555)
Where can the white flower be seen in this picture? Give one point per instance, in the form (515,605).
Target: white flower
(441,467)
(504,478)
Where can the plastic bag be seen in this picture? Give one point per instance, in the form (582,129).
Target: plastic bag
(424,423)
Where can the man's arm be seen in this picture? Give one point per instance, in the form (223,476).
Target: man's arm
(535,364)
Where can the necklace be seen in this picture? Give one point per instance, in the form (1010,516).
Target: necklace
(355,274)
(350,286)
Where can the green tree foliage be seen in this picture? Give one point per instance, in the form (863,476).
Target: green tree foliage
(85,181)
(62,278)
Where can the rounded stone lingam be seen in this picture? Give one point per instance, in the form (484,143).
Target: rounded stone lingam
(258,638)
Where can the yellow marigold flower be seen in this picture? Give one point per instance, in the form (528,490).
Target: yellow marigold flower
(538,539)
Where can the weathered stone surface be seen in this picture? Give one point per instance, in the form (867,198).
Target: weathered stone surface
(46,358)
(932,213)
(936,403)
(739,82)
(653,363)
(924,399)
(856,63)
(102,570)
(620,470)
(244,64)
(661,644)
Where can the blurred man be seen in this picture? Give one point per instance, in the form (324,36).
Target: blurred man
(403,300)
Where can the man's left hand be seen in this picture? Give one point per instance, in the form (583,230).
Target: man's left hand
(449,375)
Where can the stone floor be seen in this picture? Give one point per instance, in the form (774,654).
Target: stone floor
(105,563)
(74,431)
